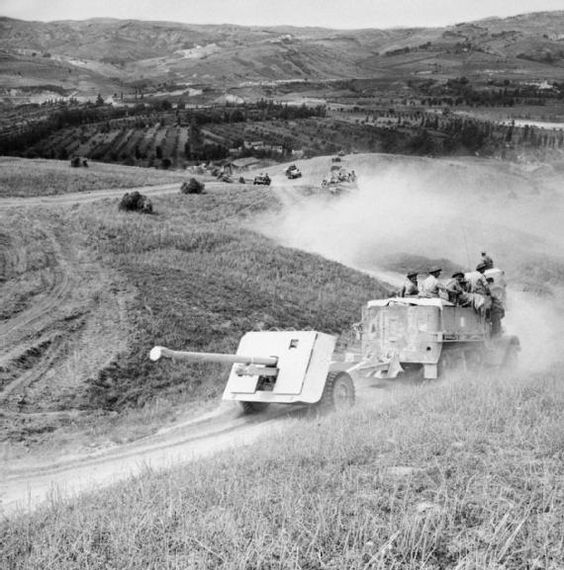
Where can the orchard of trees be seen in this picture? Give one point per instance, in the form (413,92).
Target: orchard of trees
(164,135)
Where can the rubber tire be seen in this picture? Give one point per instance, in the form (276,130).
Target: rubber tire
(339,392)
(254,407)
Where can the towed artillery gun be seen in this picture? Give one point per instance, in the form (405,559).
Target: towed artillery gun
(278,367)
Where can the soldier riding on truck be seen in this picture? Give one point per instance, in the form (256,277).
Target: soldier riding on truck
(445,325)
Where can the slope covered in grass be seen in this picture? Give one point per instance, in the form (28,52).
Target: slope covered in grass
(40,177)
(109,285)
(464,474)
(203,280)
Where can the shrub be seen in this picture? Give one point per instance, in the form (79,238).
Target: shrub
(136,202)
(193,186)
(77,162)
(241,180)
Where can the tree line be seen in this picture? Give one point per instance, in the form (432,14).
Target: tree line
(30,133)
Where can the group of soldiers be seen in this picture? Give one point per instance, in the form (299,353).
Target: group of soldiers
(471,289)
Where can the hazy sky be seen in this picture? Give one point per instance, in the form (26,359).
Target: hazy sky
(326,13)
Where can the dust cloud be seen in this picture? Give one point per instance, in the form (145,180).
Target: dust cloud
(428,210)
(539,324)
(388,213)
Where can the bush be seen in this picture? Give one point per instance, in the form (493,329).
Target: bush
(193,186)
(77,162)
(241,180)
(136,202)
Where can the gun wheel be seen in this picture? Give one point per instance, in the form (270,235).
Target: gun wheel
(339,393)
(253,407)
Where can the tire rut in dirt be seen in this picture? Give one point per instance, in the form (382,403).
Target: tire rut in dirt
(37,316)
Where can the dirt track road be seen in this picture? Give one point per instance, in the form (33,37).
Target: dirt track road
(82,197)
(25,485)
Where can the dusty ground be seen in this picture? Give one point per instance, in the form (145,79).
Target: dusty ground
(512,210)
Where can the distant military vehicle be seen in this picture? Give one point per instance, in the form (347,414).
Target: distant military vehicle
(262,179)
(293,172)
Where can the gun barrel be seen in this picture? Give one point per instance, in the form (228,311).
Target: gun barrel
(160,351)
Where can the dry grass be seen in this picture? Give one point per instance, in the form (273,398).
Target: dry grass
(466,474)
(40,177)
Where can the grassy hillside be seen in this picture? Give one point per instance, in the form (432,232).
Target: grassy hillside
(91,55)
(106,286)
(21,177)
(203,281)
(460,475)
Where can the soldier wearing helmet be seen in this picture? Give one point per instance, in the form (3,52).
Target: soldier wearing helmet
(410,287)
(431,285)
(497,309)
(487,260)
(456,288)
(476,280)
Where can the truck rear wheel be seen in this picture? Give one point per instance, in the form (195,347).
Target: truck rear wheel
(339,393)
(253,407)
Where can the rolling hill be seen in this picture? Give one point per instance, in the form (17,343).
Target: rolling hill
(105,55)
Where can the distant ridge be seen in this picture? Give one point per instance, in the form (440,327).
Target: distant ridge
(111,52)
